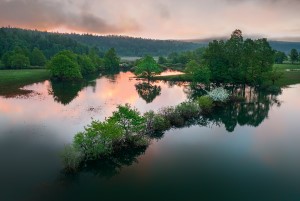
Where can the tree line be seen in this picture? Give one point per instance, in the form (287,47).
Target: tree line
(236,60)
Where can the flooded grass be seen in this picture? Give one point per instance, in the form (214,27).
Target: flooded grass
(11,81)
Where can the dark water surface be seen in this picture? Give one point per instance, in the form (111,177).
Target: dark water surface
(247,151)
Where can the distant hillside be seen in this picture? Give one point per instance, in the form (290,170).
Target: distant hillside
(49,43)
(285,46)
(129,46)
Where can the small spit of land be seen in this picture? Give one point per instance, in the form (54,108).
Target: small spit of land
(12,80)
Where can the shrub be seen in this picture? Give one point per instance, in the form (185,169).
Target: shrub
(171,115)
(219,94)
(188,110)
(129,119)
(98,138)
(156,123)
(71,158)
(205,103)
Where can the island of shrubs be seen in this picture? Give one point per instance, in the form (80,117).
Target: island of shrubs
(127,129)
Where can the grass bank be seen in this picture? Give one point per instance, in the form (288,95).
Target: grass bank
(291,74)
(12,80)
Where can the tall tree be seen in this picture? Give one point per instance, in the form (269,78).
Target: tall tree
(111,60)
(215,58)
(234,50)
(147,67)
(294,55)
(200,73)
(37,58)
(64,66)
(19,61)
(280,57)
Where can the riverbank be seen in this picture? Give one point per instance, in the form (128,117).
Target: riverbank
(12,80)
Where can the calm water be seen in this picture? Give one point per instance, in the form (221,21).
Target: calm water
(246,151)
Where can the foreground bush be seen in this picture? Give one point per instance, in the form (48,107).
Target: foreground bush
(205,103)
(172,115)
(71,158)
(130,121)
(98,139)
(219,95)
(156,123)
(126,127)
(188,110)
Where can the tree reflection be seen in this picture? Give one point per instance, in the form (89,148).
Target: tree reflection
(65,92)
(251,112)
(148,91)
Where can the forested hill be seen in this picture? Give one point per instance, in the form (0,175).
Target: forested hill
(285,46)
(129,46)
(51,43)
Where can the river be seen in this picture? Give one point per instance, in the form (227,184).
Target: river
(246,151)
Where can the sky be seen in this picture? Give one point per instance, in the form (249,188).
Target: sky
(159,19)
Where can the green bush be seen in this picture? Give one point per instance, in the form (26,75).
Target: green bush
(205,103)
(98,139)
(156,123)
(171,115)
(71,158)
(188,110)
(19,61)
(129,120)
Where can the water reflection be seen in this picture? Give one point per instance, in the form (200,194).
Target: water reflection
(148,91)
(188,153)
(65,92)
(251,112)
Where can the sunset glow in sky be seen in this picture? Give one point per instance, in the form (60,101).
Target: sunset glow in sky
(162,19)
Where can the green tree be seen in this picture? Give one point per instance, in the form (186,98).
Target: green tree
(280,57)
(111,60)
(94,56)
(6,59)
(37,57)
(64,66)
(173,58)
(147,67)
(200,73)
(19,61)
(86,64)
(234,51)
(294,55)
(215,58)
(265,58)
(162,60)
